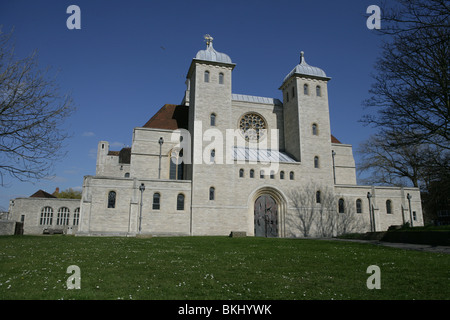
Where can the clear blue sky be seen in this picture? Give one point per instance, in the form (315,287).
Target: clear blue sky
(132,57)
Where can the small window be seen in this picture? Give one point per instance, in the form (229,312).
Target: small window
(272,174)
(127,175)
(287,96)
(112,199)
(76,216)
(341,205)
(212,156)
(282,175)
(241,173)
(261,174)
(213,120)
(314,129)
(318,197)
(212,194)
(305,89)
(318,91)
(389,207)
(291,175)
(156,201)
(221,76)
(180,202)
(252,173)
(316,162)
(206,76)
(358,206)
(293,92)
(414,216)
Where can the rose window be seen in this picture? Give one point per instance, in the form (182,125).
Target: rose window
(252,126)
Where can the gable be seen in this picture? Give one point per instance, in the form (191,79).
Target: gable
(170,117)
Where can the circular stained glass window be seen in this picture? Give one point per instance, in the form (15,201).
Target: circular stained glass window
(252,126)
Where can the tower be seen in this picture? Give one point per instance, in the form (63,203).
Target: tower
(306,118)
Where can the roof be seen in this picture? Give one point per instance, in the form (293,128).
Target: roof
(247,98)
(334,140)
(305,69)
(251,154)
(42,194)
(210,54)
(170,117)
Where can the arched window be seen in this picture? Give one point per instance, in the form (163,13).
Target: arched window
(358,206)
(272,174)
(388,206)
(221,76)
(282,175)
(112,199)
(213,120)
(305,89)
(156,201)
(291,175)
(76,216)
(206,76)
(212,156)
(318,91)
(341,205)
(46,216)
(212,194)
(252,173)
(241,173)
(176,165)
(318,197)
(261,174)
(316,162)
(180,201)
(63,216)
(127,175)
(314,129)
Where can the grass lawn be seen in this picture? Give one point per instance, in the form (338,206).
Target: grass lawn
(34,267)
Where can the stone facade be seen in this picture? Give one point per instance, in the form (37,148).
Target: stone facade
(221,162)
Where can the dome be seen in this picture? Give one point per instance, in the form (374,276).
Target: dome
(305,69)
(210,54)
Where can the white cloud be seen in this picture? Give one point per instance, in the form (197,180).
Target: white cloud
(88,134)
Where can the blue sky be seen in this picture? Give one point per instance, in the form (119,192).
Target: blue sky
(132,57)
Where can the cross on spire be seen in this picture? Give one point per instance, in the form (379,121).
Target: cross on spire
(208,39)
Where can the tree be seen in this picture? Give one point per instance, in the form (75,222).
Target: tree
(68,194)
(411,88)
(32,114)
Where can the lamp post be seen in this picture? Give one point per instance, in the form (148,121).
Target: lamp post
(161,141)
(334,167)
(408,196)
(371,217)
(141,189)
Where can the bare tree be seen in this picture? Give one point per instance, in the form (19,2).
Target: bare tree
(32,114)
(411,88)
(303,200)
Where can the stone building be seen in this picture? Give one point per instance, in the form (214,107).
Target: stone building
(221,162)
(42,212)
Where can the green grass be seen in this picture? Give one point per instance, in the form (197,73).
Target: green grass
(34,267)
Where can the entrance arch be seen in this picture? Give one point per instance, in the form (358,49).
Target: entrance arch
(267,207)
(266,217)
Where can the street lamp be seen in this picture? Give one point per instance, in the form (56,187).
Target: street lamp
(161,141)
(334,167)
(408,196)
(141,189)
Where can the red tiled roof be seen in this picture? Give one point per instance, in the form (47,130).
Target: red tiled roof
(334,140)
(170,117)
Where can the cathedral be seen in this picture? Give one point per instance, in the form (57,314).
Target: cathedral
(221,162)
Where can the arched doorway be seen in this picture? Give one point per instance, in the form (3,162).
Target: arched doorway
(266,216)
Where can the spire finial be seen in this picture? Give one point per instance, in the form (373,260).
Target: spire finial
(302,57)
(208,40)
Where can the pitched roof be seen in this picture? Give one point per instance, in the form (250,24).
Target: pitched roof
(334,140)
(42,194)
(170,117)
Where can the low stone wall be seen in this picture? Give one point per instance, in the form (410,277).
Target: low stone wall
(441,238)
(7,227)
